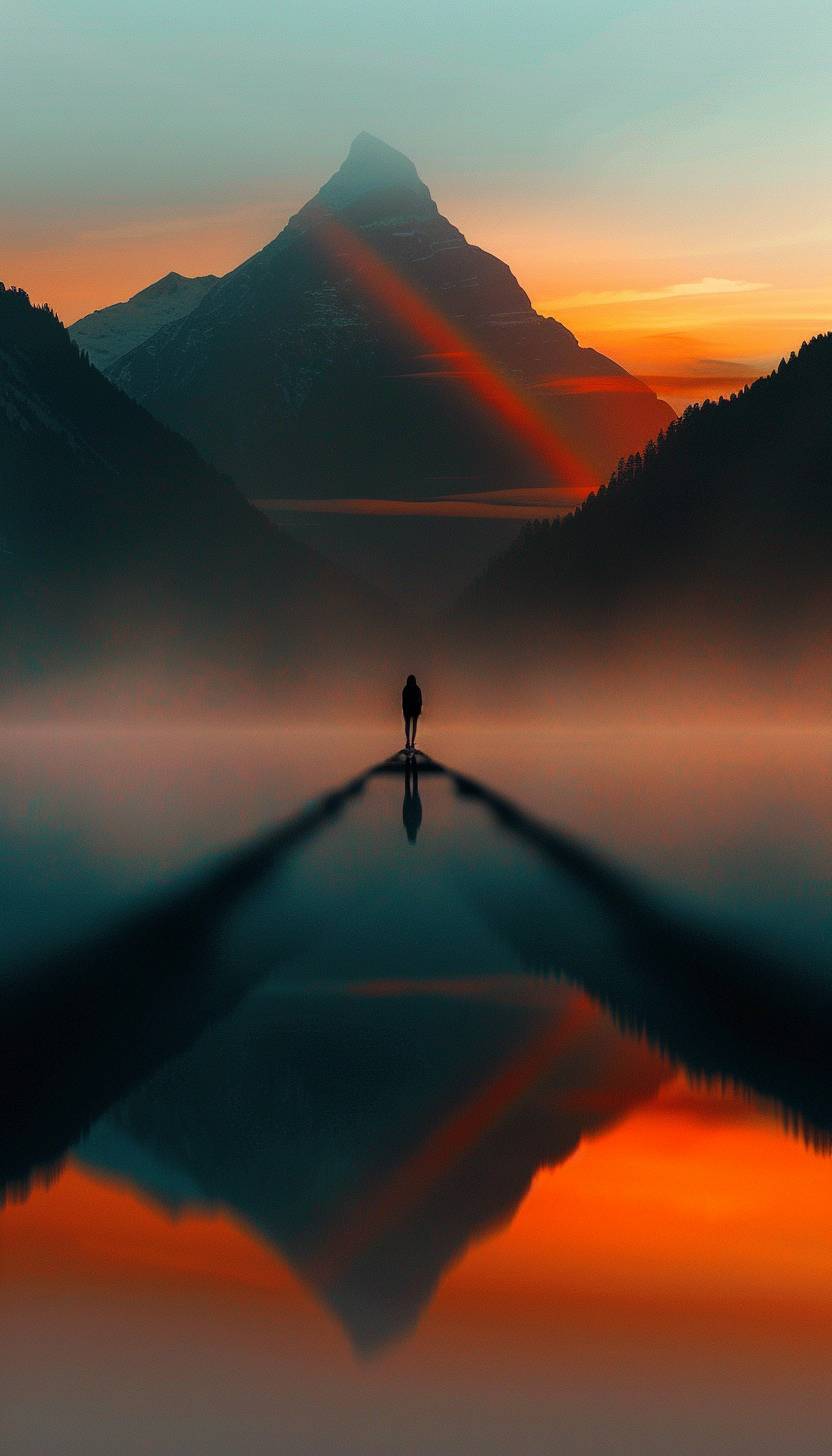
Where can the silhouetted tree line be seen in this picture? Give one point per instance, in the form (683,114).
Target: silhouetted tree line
(720,526)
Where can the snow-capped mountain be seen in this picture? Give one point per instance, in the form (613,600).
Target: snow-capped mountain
(109,333)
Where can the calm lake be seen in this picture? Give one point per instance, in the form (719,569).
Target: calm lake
(480,1111)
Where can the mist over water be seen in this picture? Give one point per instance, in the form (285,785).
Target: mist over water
(94,813)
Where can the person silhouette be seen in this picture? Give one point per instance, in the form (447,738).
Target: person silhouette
(411,708)
(411,804)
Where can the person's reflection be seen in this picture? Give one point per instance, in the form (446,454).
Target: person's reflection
(412,804)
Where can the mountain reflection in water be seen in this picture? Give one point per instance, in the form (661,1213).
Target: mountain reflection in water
(344,1034)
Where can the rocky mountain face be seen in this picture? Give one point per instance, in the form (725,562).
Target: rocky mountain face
(370,350)
(121,549)
(109,333)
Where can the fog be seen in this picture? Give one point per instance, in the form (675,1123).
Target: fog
(520,679)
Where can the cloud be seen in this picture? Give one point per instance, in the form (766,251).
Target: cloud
(703,287)
(710,384)
(703,378)
(509,505)
(592,384)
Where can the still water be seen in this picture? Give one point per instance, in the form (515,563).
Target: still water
(442,1114)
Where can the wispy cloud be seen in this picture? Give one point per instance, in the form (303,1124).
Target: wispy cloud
(712,385)
(702,287)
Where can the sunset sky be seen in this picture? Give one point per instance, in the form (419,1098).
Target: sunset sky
(649,171)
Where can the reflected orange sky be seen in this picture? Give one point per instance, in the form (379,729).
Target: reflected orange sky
(697,1207)
(696,1202)
(670,1282)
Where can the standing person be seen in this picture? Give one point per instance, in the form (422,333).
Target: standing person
(411,708)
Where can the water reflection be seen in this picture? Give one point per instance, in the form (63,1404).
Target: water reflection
(411,804)
(731,1011)
(222,1048)
(370,1135)
(81,1029)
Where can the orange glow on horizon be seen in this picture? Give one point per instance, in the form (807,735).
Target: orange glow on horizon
(78,259)
(592,384)
(79,264)
(708,384)
(683,388)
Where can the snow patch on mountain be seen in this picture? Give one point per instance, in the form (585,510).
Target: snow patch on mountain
(110,333)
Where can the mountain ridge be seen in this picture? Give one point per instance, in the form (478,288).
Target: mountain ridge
(296,378)
(124,550)
(107,334)
(709,548)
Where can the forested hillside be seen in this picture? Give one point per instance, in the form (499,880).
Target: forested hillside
(714,544)
(121,549)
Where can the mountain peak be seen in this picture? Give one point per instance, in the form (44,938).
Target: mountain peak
(373,166)
(172,283)
(334,376)
(366,147)
(108,333)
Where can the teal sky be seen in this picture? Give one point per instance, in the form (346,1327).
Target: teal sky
(600,146)
(196,93)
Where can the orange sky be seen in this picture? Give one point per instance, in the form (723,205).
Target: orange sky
(653,174)
(670,320)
